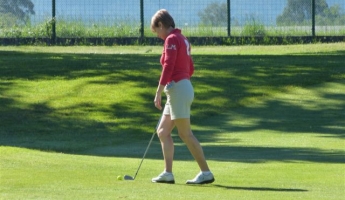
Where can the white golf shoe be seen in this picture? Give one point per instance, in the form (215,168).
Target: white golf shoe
(164,177)
(202,178)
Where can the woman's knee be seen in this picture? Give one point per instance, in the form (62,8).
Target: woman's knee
(163,133)
(165,127)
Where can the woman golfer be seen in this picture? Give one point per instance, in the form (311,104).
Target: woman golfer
(177,68)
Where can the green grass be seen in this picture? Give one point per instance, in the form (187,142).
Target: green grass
(67,28)
(270,118)
(73,29)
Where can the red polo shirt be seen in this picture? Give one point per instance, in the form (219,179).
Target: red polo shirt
(176,59)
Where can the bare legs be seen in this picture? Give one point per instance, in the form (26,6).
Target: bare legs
(186,134)
(164,134)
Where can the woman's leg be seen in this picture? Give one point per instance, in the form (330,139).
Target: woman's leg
(164,133)
(186,134)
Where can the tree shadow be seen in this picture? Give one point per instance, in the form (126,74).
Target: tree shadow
(223,84)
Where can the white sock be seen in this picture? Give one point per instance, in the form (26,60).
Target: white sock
(206,173)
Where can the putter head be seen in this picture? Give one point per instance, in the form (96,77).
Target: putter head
(128,178)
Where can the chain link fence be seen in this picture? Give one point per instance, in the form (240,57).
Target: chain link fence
(197,18)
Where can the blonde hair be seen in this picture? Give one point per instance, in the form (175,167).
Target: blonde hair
(164,17)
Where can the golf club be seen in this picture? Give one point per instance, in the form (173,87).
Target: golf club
(127,177)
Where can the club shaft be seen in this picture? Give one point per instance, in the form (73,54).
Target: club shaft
(147,148)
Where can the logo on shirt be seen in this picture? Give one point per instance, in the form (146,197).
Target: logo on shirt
(172,47)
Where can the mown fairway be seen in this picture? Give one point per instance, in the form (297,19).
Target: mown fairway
(271,120)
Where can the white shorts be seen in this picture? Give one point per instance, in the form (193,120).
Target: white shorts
(180,96)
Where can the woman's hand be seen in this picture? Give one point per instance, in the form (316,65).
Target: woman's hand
(158,97)
(158,100)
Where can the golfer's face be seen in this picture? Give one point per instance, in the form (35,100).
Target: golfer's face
(159,32)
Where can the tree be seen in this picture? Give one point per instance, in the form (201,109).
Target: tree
(299,12)
(214,14)
(332,16)
(16,9)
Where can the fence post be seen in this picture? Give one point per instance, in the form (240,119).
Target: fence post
(313,7)
(53,24)
(229,18)
(142,19)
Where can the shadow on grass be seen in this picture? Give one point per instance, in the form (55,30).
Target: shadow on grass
(223,84)
(264,189)
(224,153)
(263,154)
(267,189)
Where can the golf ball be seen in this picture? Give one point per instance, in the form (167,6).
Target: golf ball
(119,178)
